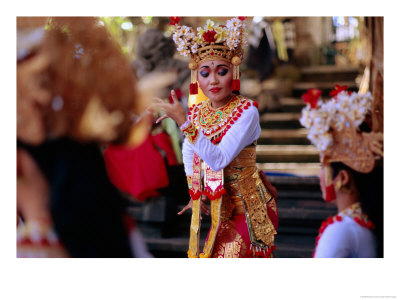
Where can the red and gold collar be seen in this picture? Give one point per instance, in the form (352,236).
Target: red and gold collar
(215,123)
(354,211)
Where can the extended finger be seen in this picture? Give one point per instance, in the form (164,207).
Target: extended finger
(161,118)
(174,97)
(184,209)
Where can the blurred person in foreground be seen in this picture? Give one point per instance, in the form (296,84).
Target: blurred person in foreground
(351,173)
(153,172)
(219,147)
(75,93)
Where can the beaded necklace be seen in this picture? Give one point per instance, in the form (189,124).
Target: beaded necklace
(215,123)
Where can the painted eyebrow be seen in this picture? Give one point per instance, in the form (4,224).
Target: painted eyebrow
(222,65)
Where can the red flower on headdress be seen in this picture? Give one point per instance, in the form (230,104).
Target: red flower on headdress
(242,18)
(174,20)
(209,36)
(312,97)
(338,89)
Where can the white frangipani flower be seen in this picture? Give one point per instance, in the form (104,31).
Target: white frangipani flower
(209,25)
(232,35)
(334,114)
(234,23)
(194,48)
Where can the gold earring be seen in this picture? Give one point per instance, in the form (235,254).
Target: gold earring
(338,185)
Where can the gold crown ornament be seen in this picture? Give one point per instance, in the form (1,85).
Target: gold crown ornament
(334,129)
(211,42)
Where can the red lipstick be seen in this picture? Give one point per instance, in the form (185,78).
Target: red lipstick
(215,90)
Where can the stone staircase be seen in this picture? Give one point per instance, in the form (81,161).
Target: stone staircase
(291,164)
(284,153)
(325,77)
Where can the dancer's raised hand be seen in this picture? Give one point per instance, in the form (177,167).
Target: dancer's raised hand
(173,110)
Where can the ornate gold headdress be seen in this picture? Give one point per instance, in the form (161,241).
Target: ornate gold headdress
(212,42)
(334,129)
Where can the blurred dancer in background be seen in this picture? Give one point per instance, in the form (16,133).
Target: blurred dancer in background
(351,174)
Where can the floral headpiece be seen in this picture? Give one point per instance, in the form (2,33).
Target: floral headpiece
(212,42)
(334,128)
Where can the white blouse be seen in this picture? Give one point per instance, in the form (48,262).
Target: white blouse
(242,133)
(346,238)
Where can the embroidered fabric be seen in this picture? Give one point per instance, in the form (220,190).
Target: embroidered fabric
(233,239)
(243,132)
(190,131)
(243,180)
(248,197)
(215,123)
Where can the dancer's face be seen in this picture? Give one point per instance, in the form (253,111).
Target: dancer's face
(215,79)
(322,184)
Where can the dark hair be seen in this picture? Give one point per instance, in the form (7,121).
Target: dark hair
(370,190)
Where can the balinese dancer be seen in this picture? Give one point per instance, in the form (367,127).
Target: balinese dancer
(350,175)
(219,151)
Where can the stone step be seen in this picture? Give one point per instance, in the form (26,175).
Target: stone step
(294,246)
(329,69)
(322,85)
(284,136)
(176,247)
(285,133)
(311,215)
(329,73)
(298,169)
(280,117)
(300,87)
(284,230)
(286,153)
(305,196)
(287,182)
(280,120)
(290,104)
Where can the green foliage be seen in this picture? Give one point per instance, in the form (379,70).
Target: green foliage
(126,30)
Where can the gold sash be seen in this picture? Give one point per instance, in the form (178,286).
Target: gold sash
(245,192)
(213,189)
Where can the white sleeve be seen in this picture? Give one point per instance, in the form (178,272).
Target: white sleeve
(242,133)
(336,241)
(187,156)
